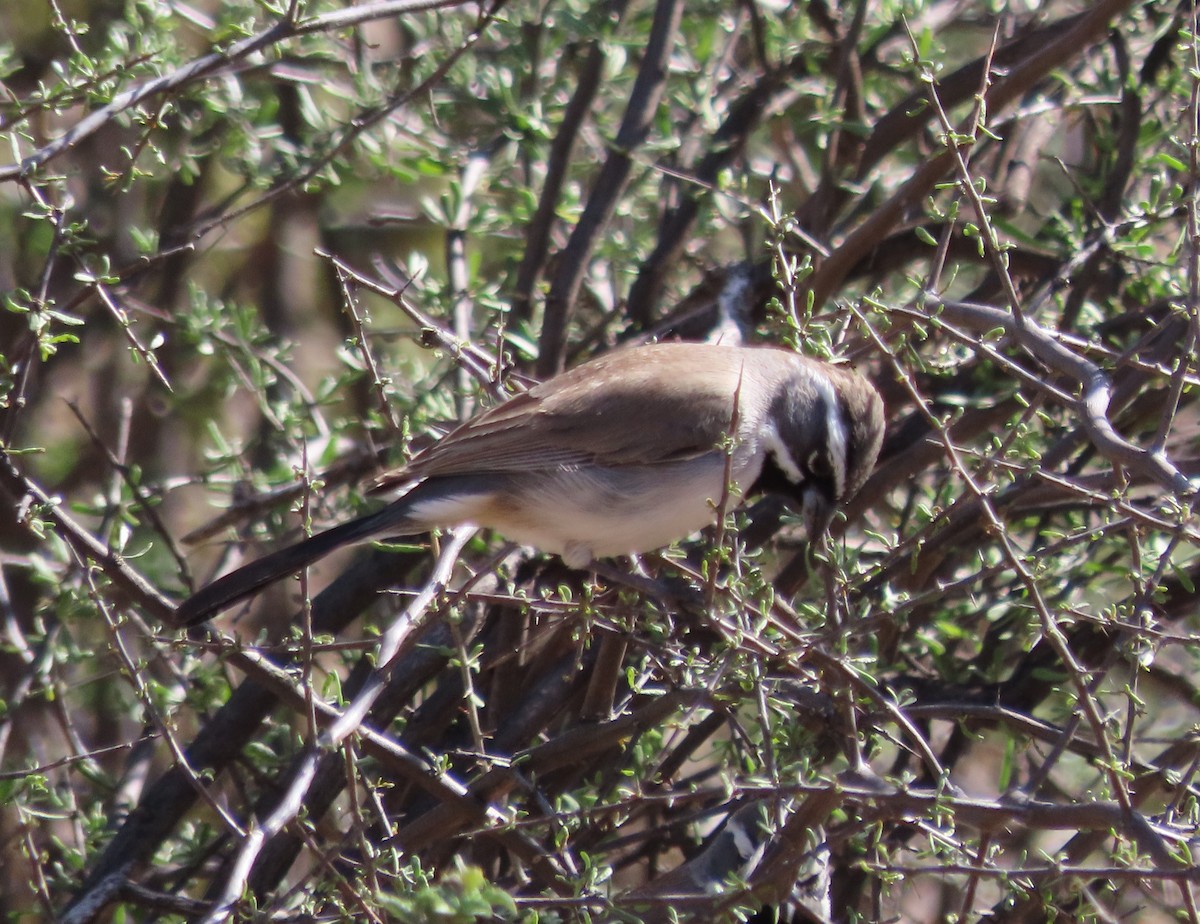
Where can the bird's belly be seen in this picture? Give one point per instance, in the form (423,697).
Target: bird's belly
(587,514)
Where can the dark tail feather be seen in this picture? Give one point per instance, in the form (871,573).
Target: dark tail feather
(249,579)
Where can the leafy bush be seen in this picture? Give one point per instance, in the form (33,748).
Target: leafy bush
(252,251)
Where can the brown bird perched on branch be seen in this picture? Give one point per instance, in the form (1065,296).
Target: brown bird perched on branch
(623,454)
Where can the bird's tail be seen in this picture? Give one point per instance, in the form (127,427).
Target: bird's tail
(249,579)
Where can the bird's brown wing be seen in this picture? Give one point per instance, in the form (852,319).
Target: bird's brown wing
(599,414)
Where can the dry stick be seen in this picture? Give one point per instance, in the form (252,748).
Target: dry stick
(358,824)
(542,699)
(776,877)
(1086,841)
(90,757)
(214,63)
(364,348)
(1020,497)
(1127,358)
(842,150)
(1041,773)
(601,693)
(647,90)
(306,654)
(121,316)
(1020,723)
(874,798)
(458,277)
(581,744)
(470,698)
(280,852)
(120,455)
(1040,874)
(1086,490)
(835,665)
(35,667)
(908,118)
(893,803)
(1107,210)
(983,348)
(743,641)
(718,544)
(847,92)
(328,863)
(878,798)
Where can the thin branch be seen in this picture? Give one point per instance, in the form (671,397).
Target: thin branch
(1092,405)
(647,90)
(537,236)
(1059,46)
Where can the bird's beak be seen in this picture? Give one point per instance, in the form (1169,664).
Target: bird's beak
(816,510)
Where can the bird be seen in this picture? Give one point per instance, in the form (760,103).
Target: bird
(623,454)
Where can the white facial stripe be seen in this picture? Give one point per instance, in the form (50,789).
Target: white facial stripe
(774,446)
(835,433)
(746,845)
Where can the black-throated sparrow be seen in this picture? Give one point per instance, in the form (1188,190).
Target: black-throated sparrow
(623,454)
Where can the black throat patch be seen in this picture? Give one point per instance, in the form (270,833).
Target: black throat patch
(773,480)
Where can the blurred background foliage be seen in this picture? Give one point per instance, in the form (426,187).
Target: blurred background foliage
(251,251)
